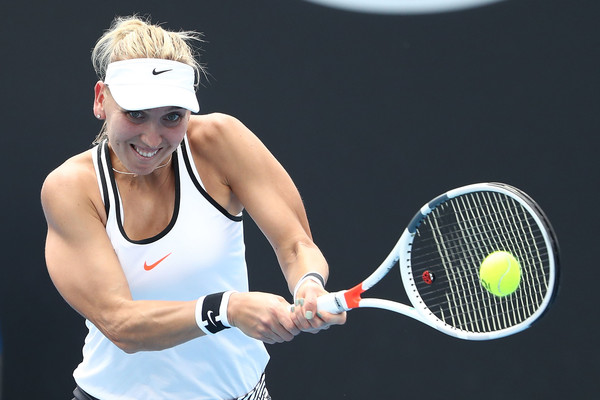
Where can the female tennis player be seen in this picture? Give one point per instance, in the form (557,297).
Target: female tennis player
(145,234)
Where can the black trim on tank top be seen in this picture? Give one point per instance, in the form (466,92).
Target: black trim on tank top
(118,207)
(188,166)
(103,177)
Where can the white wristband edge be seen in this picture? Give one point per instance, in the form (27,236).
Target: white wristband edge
(223,308)
(309,276)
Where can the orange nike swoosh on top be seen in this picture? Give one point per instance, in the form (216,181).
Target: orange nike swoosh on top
(151,266)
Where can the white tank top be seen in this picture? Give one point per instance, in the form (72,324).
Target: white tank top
(202,252)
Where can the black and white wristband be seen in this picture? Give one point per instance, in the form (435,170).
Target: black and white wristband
(211,312)
(313,276)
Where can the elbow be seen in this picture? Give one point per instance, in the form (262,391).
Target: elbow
(126,346)
(120,335)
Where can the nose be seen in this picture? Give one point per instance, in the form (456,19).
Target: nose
(151,136)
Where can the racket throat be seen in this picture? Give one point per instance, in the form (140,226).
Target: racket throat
(352,296)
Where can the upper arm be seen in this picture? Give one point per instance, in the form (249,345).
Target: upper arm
(79,256)
(86,270)
(256,178)
(264,189)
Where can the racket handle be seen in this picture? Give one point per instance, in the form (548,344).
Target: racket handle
(333,303)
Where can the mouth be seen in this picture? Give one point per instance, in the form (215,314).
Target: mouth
(145,153)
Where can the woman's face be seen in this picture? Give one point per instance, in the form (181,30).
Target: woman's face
(143,140)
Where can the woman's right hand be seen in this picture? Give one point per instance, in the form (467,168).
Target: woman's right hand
(262,316)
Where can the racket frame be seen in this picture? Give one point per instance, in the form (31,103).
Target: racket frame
(349,299)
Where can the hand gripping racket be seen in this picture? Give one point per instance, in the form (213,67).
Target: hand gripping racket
(440,253)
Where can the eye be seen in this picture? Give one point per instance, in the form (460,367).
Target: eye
(173,117)
(135,114)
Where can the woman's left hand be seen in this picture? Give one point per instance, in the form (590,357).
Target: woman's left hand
(305,314)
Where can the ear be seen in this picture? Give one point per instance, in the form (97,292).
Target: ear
(99,99)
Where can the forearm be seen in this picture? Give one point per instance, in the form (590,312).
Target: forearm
(149,325)
(301,258)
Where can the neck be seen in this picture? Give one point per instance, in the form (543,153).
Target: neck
(135,175)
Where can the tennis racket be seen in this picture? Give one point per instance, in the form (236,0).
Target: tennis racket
(440,253)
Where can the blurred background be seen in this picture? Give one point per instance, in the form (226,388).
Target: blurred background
(372,115)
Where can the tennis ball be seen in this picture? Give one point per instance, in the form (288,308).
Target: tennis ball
(500,273)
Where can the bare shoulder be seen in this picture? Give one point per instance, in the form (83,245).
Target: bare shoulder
(217,129)
(233,163)
(71,186)
(73,173)
(225,143)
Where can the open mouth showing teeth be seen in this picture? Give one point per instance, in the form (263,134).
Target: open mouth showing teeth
(146,154)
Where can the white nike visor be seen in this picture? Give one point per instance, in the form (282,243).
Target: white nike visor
(144,83)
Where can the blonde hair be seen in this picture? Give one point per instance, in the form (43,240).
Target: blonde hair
(136,37)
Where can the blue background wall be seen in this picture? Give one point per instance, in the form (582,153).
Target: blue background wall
(371,115)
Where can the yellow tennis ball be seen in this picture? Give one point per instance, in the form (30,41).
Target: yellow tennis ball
(500,273)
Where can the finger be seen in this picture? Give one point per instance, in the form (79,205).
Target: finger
(333,319)
(271,337)
(299,321)
(290,327)
(270,331)
(286,329)
(317,324)
(312,314)
(282,325)
(324,320)
(313,324)
(302,317)
(314,321)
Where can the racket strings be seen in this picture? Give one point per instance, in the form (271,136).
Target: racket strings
(500,231)
(504,314)
(429,254)
(479,225)
(454,239)
(503,317)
